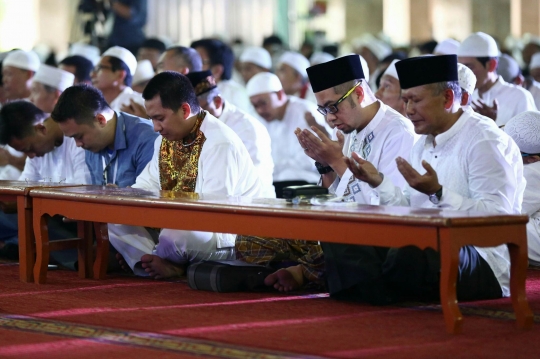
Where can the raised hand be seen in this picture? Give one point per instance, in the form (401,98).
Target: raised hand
(484,109)
(427,183)
(364,170)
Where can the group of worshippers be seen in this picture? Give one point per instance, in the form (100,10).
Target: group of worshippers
(429,137)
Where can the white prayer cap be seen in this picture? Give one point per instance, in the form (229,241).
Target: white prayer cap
(379,48)
(319,57)
(365,67)
(295,60)
(263,82)
(478,44)
(89,52)
(466,78)
(508,68)
(535,61)
(257,56)
(54,77)
(447,47)
(123,54)
(391,70)
(26,60)
(525,130)
(144,72)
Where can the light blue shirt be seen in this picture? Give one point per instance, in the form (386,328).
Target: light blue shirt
(133,149)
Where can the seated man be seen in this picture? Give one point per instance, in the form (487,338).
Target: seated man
(389,91)
(79,66)
(252,133)
(195,153)
(47,85)
(462,162)
(525,130)
(52,157)
(467,82)
(291,70)
(254,60)
(282,114)
(371,128)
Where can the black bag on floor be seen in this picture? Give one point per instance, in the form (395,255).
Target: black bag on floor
(226,276)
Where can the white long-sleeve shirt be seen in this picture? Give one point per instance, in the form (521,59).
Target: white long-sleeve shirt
(257,141)
(512,100)
(480,169)
(64,163)
(224,168)
(10,172)
(290,161)
(236,94)
(535,92)
(531,207)
(124,98)
(387,136)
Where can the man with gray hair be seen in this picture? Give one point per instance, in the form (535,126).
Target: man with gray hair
(180,59)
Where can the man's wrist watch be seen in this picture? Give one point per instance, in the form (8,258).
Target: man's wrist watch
(323,169)
(435,198)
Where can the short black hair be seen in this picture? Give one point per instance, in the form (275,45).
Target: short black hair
(83,67)
(174,89)
(81,103)
(17,119)
(153,43)
(117,64)
(219,54)
(272,40)
(484,60)
(190,57)
(428,47)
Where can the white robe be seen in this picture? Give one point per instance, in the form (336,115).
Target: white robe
(257,141)
(290,161)
(531,207)
(480,169)
(387,136)
(512,100)
(64,163)
(124,98)
(236,94)
(10,172)
(225,168)
(535,92)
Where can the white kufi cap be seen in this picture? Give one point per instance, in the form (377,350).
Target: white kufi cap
(295,60)
(89,52)
(466,78)
(319,57)
(264,82)
(257,56)
(391,70)
(525,130)
(478,44)
(365,67)
(26,60)
(144,72)
(535,61)
(379,48)
(446,47)
(125,55)
(54,77)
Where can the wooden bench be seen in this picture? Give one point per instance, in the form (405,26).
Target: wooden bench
(444,231)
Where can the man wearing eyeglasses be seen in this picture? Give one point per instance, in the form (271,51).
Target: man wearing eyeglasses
(366,126)
(282,114)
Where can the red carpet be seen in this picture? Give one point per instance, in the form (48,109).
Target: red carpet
(124,316)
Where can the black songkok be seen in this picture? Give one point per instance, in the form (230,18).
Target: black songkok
(424,70)
(336,72)
(202,81)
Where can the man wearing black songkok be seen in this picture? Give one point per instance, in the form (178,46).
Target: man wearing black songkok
(462,162)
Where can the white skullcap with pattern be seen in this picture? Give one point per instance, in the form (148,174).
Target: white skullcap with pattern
(466,78)
(525,130)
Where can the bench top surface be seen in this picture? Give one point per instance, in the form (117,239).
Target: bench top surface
(22,187)
(132,197)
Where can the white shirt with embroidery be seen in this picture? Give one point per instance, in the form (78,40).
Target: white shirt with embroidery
(512,100)
(387,136)
(480,169)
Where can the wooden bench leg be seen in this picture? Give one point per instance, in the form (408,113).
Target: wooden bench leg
(84,232)
(27,249)
(518,273)
(102,250)
(449,271)
(41,233)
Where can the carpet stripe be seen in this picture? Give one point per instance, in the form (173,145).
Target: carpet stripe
(479,311)
(144,340)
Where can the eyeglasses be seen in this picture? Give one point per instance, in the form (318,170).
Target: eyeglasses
(98,68)
(325,110)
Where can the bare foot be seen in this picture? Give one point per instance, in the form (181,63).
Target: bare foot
(286,280)
(160,268)
(125,267)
